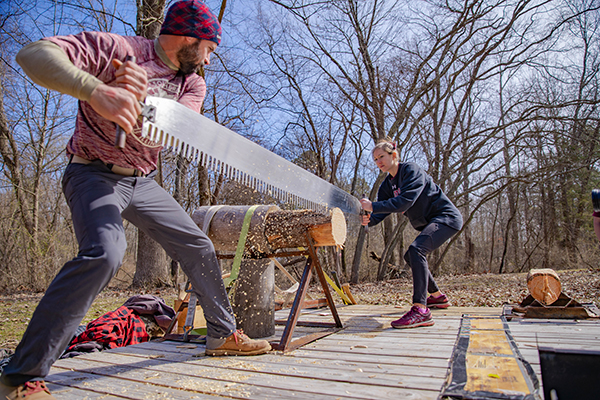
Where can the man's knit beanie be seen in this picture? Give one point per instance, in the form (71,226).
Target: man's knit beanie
(192,18)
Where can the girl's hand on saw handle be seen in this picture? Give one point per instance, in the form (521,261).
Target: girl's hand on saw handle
(367,206)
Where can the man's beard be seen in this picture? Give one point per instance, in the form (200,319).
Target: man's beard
(189,62)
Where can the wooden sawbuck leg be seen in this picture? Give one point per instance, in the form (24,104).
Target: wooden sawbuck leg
(286,343)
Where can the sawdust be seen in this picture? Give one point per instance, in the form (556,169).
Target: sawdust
(244,365)
(152,376)
(158,395)
(216,386)
(292,371)
(186,346)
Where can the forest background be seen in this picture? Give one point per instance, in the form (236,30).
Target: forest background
(497,100)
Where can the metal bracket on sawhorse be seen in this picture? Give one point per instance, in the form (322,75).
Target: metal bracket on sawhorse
(191,303)
(286,343)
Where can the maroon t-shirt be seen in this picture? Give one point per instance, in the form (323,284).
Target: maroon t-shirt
(94,136)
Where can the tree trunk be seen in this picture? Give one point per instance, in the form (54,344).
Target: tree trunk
(358,252)
(344,266)
(469,265)
(149,17)
(180,173)
(151,266)
(336,264)
(389,225)
(360,240)
(389,248)
(203,187)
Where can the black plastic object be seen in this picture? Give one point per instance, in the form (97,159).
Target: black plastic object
(571,374)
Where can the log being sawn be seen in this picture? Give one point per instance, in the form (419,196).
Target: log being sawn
(270,229)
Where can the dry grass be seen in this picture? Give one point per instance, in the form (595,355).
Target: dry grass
(16,311)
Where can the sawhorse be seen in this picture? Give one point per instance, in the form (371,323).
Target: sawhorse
(285,343)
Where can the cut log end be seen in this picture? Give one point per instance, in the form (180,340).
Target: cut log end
(287,229)
(544,285)
(332,233)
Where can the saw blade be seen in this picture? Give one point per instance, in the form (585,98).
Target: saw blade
(223,151)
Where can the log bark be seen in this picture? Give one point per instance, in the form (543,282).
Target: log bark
(544,285)
(287,229)
(254,298)
(226,224)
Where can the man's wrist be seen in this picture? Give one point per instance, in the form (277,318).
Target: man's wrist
(88,87)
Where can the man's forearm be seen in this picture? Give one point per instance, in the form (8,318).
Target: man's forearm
(49,66)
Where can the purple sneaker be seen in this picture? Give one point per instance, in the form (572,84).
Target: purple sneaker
(438,302)
(414,318)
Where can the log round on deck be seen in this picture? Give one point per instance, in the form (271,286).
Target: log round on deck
(254,298)
(544,285)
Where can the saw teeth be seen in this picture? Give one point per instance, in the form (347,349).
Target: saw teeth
(185,132)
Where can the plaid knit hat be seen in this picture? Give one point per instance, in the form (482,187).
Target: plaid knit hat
(192,18)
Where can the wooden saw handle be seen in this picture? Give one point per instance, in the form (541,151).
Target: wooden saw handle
(365,212)
(121,135)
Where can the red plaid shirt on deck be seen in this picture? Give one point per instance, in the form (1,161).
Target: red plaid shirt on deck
(94,135)
(118,328)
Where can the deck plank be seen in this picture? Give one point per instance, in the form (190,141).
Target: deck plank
(366,360)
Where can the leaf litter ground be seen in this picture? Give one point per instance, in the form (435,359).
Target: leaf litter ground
(485,290)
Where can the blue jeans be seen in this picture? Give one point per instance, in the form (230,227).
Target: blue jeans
(99,200)
(430,238)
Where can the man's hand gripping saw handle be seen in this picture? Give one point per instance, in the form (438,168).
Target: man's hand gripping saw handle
(121,136)
(147,111)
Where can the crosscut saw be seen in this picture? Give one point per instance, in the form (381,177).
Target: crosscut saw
(223,151)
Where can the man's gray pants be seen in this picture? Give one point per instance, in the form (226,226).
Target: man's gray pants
(99,200)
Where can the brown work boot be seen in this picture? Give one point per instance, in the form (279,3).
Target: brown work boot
(32,390)
(239,344)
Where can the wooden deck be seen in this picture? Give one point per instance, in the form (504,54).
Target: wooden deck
(366,360)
